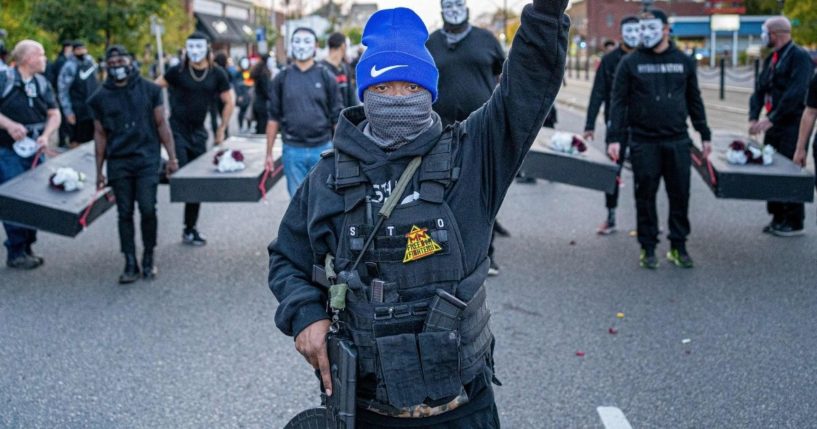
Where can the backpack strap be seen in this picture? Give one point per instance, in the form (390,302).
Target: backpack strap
(438,170)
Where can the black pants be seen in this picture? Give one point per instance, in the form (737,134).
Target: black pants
(784,139)
(611,200)
(651,162)
(130,190)
(259,112)
(191,142)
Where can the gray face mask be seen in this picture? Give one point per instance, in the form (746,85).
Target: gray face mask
(395,121)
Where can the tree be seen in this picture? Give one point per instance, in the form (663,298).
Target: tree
(804,20)
(15,17)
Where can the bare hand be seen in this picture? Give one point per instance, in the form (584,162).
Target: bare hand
(311,343)
(752,127)
(72,119)
(17,131)
(799,157)
(171,167)
(614,151)
(268,163)
(101,180)
(707,148)
(219,138)
(589,135)
(761,126)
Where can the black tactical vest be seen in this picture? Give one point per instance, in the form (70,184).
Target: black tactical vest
(402,362)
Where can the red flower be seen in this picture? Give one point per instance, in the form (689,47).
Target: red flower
(217,158)
(579,144)
(238,156)
(738,145)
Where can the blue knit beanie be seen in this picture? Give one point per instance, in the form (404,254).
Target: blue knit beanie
(396,51)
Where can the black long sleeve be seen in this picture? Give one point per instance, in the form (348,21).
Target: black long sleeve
(695,105)
(619,114)
(790,104)
(597,96)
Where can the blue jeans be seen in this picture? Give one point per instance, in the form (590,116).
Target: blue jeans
(298,161)
(18,238)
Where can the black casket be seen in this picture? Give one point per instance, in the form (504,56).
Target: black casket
(591,169)
(200,181)
(781,181)
(29,200)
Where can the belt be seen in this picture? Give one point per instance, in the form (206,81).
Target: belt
(416,411)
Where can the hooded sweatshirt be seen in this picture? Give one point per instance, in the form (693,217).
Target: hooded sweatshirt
(653,94)
(126,115)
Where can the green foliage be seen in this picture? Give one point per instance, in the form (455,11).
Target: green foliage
(15,18)
(102,22)
(803,14)
(355,35)
(763,7)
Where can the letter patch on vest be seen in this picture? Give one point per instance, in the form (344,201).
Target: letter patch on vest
(419,245)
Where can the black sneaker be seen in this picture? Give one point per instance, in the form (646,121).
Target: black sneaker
(648,260)
(784,230)
(192,237)
(23,262)
(768,228)
(493,270)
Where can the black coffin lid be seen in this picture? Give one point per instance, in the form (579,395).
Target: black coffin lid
(591,169)
(781,181)
(29,200)
(199,181)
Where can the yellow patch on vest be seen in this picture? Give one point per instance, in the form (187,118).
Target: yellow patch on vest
(419,245)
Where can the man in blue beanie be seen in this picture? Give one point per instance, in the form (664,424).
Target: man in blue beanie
(386,241)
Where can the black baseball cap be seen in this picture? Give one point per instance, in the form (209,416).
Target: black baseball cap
(78,44)
(115,51)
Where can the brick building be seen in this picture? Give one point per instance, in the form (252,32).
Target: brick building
(598,20)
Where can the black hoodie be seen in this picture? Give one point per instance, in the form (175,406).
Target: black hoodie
(494,142)
(653,94)
(126,115)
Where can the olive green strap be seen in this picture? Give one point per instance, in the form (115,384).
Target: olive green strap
(402,184)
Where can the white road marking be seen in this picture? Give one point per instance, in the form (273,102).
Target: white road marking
(613,418)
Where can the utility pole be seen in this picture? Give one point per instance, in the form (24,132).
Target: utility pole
(505,20)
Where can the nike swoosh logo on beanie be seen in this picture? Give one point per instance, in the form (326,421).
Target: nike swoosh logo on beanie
(376,72)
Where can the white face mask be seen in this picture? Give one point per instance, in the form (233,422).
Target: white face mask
(631,34)
(196,49)
(652,32)
(303,46)
(765,39)
(244,64)
(25,148)
(271,64)
(455,12)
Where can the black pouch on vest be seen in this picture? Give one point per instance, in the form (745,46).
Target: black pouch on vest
(402,374)
(440,359)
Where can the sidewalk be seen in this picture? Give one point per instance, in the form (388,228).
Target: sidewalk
(730,113)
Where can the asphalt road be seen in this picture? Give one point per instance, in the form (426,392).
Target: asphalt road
(729,344)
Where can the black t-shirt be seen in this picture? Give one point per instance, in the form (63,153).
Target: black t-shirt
(811,98)
(343,77)
(27,103)
(126,115)
(193,90)
(468,72)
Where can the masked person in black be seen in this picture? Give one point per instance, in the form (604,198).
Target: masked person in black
(28,117)
(129,122)
(600,95)
(439,189)
(654,91)
(194,84)
(52,72)
(335,62)
(779,91)
(470,61)
(77,81)
(262,79)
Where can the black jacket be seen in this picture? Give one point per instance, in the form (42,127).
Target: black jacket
(493,143)
(602,88)
(468,72)
(786,85)
(653,94)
